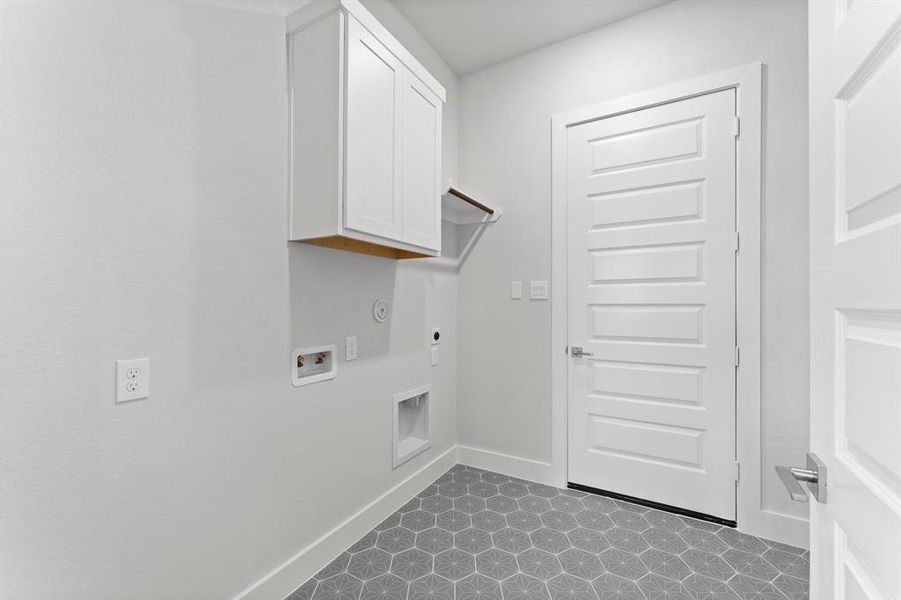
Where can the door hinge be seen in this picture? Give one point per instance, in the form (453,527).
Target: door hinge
(735,242)
(736,126)
(737,471)
(737,356)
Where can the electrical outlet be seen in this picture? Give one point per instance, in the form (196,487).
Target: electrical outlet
(350,347)
(433,355)
(538,290)
(132,379)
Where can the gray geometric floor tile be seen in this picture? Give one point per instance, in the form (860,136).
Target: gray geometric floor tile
(389,523)
(483,490)
(511,540)
(524,521)
(741,541)
(502,504)
(581,564)
(544,491)
(339,565)
(338,587)
(567,504)
(567,587)
(523,587)
(369,563)
(513,490)
(665,520)
(600,503)
(594,519)
(365,542)
(434,540)
(495,478)
(613,587)
(624,539)
(550,540)
(385,587)
(534,504)
(431,587)
(488,520)
(496,564)
(748,588)
(539,563)
(559,520)
(417,520)
(656,587)
(455,564)
(304,592)
(792,587)
(700,587)
(752,565)
(588,540)
(478,587)
(707,564)
(479,535)
(623,564)
(703,540)
(630,520)
(395,540)
(412,564)
(663,539)
(437,504)
(795,565)
(453,521)
(467,477)
(472,540)
(665,564)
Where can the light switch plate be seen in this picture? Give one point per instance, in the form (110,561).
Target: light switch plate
(516,290)
(538,290)
(350,347)
(433,355)
(132,379)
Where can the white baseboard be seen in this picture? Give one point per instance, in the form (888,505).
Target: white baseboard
(523,468)
(295,571)
(794,531)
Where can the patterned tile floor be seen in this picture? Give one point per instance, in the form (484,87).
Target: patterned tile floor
(478,535)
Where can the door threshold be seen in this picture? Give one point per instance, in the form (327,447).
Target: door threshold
(655,505)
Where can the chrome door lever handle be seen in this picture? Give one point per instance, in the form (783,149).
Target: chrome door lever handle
(814,476)
(577,351)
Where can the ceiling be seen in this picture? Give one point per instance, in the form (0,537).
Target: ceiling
(472,34)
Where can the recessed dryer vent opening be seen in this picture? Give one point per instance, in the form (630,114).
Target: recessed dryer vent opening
(411,424)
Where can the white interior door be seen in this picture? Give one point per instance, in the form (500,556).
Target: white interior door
(855,296)
(651,297)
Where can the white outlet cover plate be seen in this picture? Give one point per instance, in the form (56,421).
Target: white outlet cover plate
(350,347)
(132,379)
(435,336)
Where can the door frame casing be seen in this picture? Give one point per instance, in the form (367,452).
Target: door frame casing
(747,81)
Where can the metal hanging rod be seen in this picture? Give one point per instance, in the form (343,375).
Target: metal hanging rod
(470,200)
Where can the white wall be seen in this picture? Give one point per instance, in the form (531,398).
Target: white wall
(143,214)
(504,152)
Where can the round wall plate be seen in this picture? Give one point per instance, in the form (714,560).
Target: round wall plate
(381,310)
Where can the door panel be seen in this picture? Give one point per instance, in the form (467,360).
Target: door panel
(651,271)
(422,168)
(855,296)
(374,96)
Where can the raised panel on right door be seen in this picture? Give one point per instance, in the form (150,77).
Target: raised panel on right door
(422,165)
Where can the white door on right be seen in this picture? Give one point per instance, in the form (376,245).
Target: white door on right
(651,297)
(855,296)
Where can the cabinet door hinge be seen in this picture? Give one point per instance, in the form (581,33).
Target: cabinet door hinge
(737,471)
(737,356)
(735,242)
(736,126)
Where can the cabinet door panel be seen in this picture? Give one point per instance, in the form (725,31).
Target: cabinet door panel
(422,166)
(373,149)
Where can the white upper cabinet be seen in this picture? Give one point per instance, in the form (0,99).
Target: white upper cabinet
(365,136)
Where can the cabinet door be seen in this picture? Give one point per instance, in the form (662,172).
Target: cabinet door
(422,164)
(373,138)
